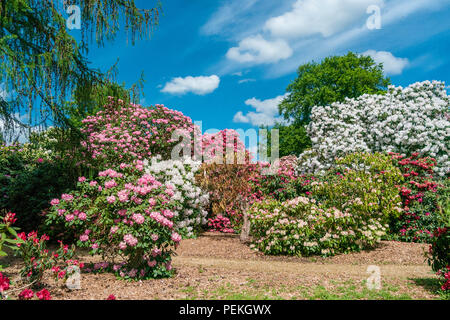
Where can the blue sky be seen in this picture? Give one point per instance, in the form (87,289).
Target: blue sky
(228,63)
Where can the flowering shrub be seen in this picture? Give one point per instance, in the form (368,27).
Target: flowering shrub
(362,184)
(303,227)
(224,146)
(125,212)
(8,233)
(439,253)
(38,259)
(228,186)
(346,209)
(404,120)
(420,195)
(220,224)
(123,133)
(190,214)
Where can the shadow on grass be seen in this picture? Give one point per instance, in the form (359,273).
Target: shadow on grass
(432,285)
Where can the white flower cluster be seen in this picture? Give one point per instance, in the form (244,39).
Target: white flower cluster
(179,175)
(404,120)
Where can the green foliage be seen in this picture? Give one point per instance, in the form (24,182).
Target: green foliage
(29,179)
(332,80)
(88,100)
(37,259)
(439,253)
(347,209)
(364,184)
(304,227)
(420,194)
(293,139)
(8,234)
(42,64)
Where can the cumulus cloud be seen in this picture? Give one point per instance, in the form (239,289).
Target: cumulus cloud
(256,49)
(326,17)
(392,65)
(265,111)
(200,85)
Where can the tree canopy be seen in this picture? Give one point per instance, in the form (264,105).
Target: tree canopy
(42,66)
(332,80)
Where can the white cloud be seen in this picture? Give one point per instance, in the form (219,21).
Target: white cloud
(238,74)
(199,85)
(266,112)
(240,118)
(227,14)
(326,17)
(331,29)
(392,65)
(246,80)
(256,49)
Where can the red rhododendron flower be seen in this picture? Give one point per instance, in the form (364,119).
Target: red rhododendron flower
(44,295)
(26,294)
(4,283)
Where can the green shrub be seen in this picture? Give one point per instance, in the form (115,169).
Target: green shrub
(28,191)
(347,209)
(439,253)
(304,227)
(362,184)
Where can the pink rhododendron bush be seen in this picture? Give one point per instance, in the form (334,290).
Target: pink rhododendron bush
(124,133)
(224,147)
(125,213)
(346,210)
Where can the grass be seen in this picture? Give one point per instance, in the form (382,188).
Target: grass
(251,290)
(354,292)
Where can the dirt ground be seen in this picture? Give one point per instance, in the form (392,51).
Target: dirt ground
(219,266)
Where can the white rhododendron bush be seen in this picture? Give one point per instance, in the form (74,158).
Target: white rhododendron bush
(178,175)
(404,120)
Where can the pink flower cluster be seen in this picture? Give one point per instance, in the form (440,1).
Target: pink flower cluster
(223,143)
(130,240)
(161,219)
(123,132)
(220,224)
